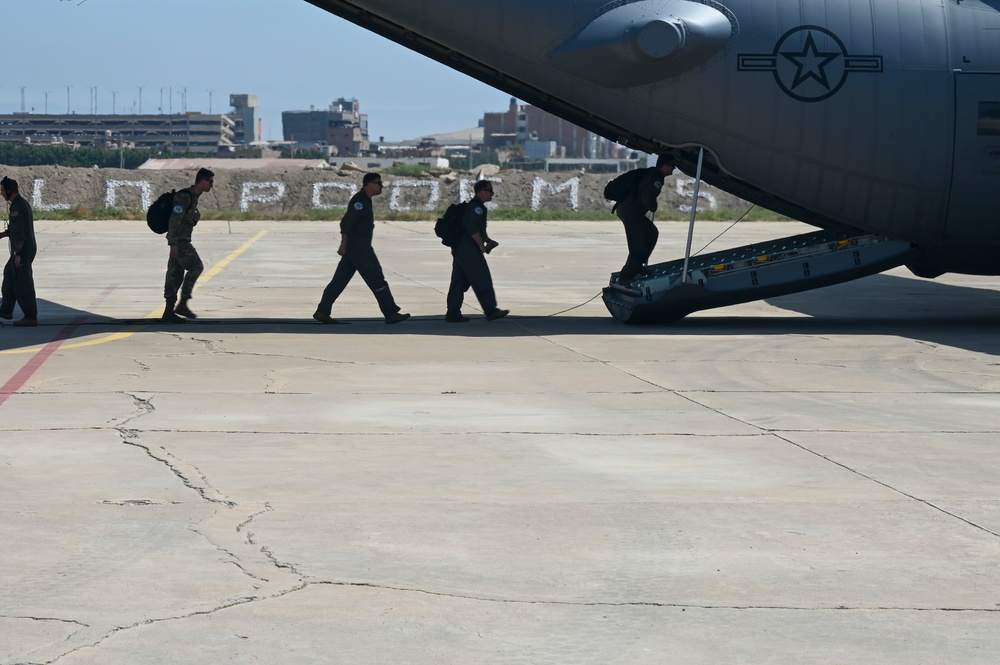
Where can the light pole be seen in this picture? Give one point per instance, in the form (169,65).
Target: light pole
(46,93)
(67,98)
(22,99)
(114,102)
(140,99)
(210,101)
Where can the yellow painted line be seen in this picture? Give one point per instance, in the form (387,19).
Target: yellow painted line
(229,259)
(155,314)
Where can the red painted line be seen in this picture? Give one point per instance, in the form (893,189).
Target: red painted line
(18,380)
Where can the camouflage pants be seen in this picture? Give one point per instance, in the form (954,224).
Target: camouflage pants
(182,272)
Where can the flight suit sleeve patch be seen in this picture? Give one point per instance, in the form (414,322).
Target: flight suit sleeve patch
(359,206)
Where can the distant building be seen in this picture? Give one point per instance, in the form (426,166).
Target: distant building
(342,127)
(181,132)
(535,130)
(246,116)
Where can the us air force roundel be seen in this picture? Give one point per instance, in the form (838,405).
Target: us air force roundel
(178,210)
(478,210)
(658,184)
(810,63)
(359,206)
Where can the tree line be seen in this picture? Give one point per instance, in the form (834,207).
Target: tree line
(19,154)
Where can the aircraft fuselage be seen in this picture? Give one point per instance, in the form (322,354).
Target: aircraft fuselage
(880,115)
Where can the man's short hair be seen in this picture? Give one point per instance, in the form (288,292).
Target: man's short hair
(9,185)
(203,174)
(370,177)
(664,159)
(481,185)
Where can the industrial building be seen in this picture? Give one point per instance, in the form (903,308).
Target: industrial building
(342,128)
(542,135)
(181,132)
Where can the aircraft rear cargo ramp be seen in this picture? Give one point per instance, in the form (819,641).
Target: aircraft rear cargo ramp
(752,272)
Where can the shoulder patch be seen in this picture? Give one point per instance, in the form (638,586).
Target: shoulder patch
(658,183)
(14,213)
(359,206)
(478,210)
(178,210)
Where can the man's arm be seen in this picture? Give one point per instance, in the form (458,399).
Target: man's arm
(182,201)
(648,191)
(15,231)
(478,239)
(472,223)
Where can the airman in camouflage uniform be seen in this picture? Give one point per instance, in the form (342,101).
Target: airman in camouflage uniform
(184,266)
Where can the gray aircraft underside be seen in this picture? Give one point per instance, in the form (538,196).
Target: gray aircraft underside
(876,115)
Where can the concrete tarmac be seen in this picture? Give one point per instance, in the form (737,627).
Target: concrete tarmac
(811,479)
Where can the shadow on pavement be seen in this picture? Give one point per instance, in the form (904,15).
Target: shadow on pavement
(958,316)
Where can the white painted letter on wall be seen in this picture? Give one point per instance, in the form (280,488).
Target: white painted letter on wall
(111,193)
(36,198)
(466,190)
(573,184)
(317,201)
(685,189)
(248,196)
(399,185)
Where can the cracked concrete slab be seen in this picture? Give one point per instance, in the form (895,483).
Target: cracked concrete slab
(808,479)
(354,624)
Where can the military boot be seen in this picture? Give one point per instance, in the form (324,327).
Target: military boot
(182,309)
(168,314)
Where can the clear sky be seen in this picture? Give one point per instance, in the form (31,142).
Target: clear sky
(290,54)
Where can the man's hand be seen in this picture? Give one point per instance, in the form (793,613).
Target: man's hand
(489,245)
(17,260)
(175,252)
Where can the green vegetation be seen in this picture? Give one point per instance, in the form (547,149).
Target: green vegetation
(19,154)
(334,214)
(303,153)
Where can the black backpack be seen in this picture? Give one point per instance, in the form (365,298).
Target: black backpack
(158,214)
(621,187)
(449,228)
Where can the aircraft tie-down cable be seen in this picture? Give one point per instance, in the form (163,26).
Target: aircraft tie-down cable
(726,230)
(548,316)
